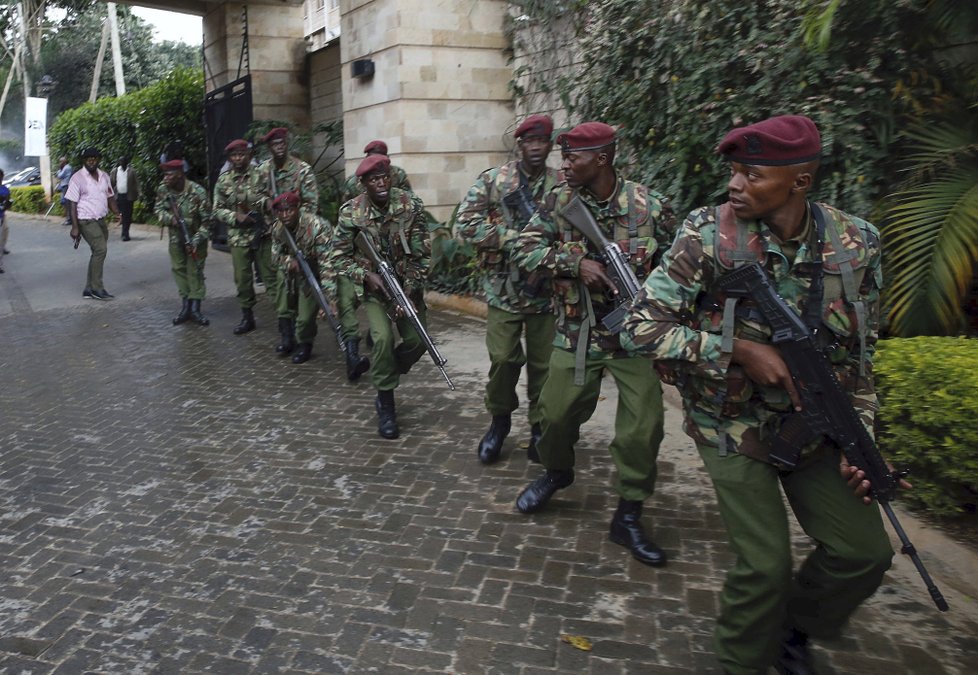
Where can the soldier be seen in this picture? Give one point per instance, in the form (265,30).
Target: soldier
(295,299)
(238,199)
(496,208)
(394,220)
(629,214)
(179,199)
(353,187)
(736,389)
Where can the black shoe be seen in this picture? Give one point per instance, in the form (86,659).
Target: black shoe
(386,414)
(247,322)
(794,658)
(532,453)
(184,314)
(492,443)
(125,237)
(356,365)
(627,531)
(100,295)
(106,293)
(302,353)
(196,315)
(6,252)
(286,328)
(536,495)
(87,294)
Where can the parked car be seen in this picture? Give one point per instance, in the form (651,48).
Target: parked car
(29,176)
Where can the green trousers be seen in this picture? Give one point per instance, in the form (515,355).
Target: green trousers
(387,361)
(760,595)
(188,272)
(96,235)
(294,302)
(507,358)
(347,303)
(638,419)
(242,259)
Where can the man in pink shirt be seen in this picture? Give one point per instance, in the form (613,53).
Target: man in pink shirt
(90,197)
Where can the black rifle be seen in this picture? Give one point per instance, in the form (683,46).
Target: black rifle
(260,229)
(521,201)
(826,411)
(397,295)
(184,232)
(315,287)
(615,262)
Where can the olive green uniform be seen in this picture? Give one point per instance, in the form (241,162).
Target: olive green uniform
(195,209)
(296,300)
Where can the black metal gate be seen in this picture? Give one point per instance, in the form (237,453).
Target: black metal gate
(227,115)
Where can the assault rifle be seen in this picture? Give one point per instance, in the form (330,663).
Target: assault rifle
(184,232)
(826,410)
(260,229)
(316,288)
(616,265)
(400,299)
(521,201)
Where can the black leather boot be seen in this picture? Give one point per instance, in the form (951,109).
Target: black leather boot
(356,365)
(302,353)
(492,443)
(184,314)
(536,495)
(627,531)
(386,414)
(247,322)
(794,658)
(286,328)
(196,315)
(532,453)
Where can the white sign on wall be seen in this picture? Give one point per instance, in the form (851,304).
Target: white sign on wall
(36,127)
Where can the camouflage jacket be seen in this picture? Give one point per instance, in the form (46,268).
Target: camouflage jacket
(295,176)
(236,193)
(192,204)
(633,216)
(399,233)
(492,222)
(312,237)
(677,319)
(354,188)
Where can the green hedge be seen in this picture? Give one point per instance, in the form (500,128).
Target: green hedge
(928,388)
(28,199)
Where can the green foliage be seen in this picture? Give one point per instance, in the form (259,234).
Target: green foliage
(454,267)
(28,199)
(139,125)
(928,388)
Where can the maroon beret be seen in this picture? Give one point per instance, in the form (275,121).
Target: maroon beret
(236,144)
(587,136)
(275,134)
(373,164)
(375,147)
(777,141)
(172,165)
(285,200)
(535,125)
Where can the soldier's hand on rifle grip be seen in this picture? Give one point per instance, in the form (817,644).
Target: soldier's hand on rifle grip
(374,284)
(593,275)
(293,266)
(763,365)
(856,480)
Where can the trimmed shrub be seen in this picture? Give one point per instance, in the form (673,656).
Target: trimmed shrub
(29,199)
(928,388)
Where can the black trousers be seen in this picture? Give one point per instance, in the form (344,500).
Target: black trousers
(125,212)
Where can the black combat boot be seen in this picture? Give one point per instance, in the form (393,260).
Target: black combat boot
(386,414)
(356,365)
(627,531)
(286,328)
(302,353)
(184,314)
(536,495)
(247,322)
(794,658)
(532,453)
(196,315)
(492,443)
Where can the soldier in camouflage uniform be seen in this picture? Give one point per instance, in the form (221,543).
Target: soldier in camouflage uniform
(278,174)
(295,298)
(635,218)
(238,199)
(395,222)
(187,258)
(354,188)
(736,390)
(494,211)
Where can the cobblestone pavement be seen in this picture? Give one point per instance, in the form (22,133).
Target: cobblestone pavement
(179,500)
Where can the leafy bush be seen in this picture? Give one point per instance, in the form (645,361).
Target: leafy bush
(28,199)
(928,388)
(454,268)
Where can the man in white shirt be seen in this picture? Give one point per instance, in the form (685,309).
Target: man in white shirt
(126,189)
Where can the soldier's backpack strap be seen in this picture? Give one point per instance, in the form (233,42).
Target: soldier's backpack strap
(813,309)
(409,203)
(632,226)
(584,336)
(731,250)
(842,257)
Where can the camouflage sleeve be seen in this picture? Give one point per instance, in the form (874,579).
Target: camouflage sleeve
(419,240)
(281,251)
(473,221)
(402,181)
(342,257)
(538,246)
(308,189)
(864,398)
(204,216)
(321,237)
(263,186)
(658,323)
(223,208)
(164,216)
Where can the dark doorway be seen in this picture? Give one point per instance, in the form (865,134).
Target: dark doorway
(227,115)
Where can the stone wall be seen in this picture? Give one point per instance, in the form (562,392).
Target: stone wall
(326,102)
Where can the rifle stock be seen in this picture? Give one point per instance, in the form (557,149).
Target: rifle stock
(397,295)
(184,232)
